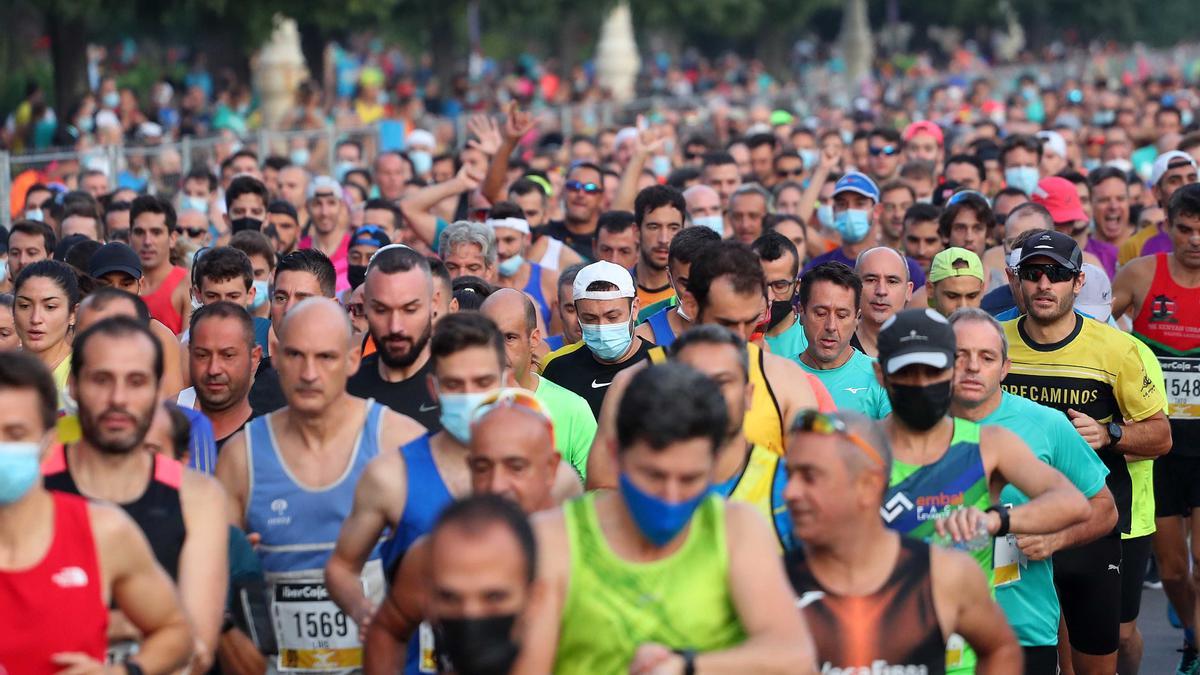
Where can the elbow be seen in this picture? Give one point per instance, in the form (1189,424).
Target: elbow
(1165,440)
(1080,510)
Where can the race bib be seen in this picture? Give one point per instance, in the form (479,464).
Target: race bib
(1182,378)
(954,650)
(1007,560)
(428,649)
(313,634)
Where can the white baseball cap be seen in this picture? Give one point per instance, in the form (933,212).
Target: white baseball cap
(1095,297)
(324,184)
(1164,161)
(603,271)
(1054,142)
(420,138)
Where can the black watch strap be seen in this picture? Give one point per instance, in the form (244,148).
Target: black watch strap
(132,668)
(689,660)
(1002,511)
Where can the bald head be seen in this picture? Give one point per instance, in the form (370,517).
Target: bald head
(512,454)
(894,260)
(702,200)
(321,315)
(508,306)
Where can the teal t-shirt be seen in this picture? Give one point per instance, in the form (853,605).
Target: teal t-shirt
(1031,603)
(853,386)
(574,424)
(790,343)
(650,310)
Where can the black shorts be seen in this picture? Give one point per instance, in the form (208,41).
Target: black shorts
(1176,485)
(1088,579)
(1135,555)
(1041,660)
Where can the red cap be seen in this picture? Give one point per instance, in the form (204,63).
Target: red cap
(924,127)
(1059,197)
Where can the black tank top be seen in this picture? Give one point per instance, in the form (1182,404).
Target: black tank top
(896,624)
(158,511)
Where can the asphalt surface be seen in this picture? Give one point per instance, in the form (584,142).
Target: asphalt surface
(1161,639)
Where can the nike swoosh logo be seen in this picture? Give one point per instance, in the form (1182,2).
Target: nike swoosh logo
(427,408)
(808,598)
(597,385)
(855,390)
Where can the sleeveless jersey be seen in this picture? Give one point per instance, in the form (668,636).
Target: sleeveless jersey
(533,288)
(553,251)
(427,496)
(682,601)
(760,484)
(158,511)
(763,424)
(159,302)
(299,526)
(663,334)
(894,629)
(919,495)
(1169,324)
(57,605)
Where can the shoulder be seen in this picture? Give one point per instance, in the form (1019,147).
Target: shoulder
(399,427)
(112,529)
(996,436)
(565,350)
(200,489)
(1140,268)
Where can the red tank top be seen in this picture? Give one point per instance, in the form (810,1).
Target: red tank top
(58,604)
(1169,322)
(159,302)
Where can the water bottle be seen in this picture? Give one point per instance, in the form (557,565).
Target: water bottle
(981,539)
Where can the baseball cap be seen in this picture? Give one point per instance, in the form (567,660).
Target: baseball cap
(1059,197)
(1167,161)
(421,138)
(115,257)
(1095,297)
(322,185)
(781,118)
(955,262)
(924,127)
(283,207)
(1057,246)
(854,181)
(916,337)
(370,235)
(1053,142)
(603,271)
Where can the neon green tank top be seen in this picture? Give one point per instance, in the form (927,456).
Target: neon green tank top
(681,601)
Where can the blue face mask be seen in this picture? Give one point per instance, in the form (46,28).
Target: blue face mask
(660,521)
(111,100)
(608,342)
(191,203)
(825,215)
(35,214)
(510,266)
(456,413)
(809,156)
(341,169)
(716,223)
(19,470)
(852,224)
(422,161)
(1024,178)
(661,166)
(261,290)
(299,157)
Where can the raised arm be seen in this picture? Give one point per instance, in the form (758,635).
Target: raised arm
(649,142)
(418,206)
(517,124)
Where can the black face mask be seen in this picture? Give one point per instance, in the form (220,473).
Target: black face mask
(247,223)
(356,275)
(920,408)
(780,311)
(482,646)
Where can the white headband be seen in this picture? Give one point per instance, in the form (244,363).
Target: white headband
(519,224)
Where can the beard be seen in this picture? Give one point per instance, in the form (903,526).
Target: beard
(118,443)
(406,359)
(1060,309)
(234,392)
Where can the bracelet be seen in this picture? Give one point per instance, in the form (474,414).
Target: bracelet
(689,660)
(1002,511)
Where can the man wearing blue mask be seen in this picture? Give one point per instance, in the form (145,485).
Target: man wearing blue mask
(637,557)
(513,239)
(856,217)
(606,306)
(1021,159)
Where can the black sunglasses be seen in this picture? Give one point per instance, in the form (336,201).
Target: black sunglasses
(576,186)
(1056,273)
(785,173)
(888,150)
(193,232)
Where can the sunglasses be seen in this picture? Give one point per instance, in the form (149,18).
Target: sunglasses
(576,186)
(886,150)
(1056,273)
(192,232)
(814,421)
(784,173)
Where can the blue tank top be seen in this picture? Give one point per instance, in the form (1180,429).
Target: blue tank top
(533,288)
(427,496)
(663,335)
(298,525)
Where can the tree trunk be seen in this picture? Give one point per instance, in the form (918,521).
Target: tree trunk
(312,45)
(68,55)
(444,38)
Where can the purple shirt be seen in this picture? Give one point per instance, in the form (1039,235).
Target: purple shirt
(1159,243)
(915,273)
(1106,253)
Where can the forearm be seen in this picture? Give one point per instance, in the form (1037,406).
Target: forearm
(417,207)
(766,654)
(1055,509)
(167,649)
(1100,521)
(497,172)
(627,188)
(1148,438)
(384,646)
(342,579)
(1006,660)
(808,200)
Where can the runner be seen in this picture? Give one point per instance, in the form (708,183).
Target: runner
(114,377)
(398,298)
(636,557)
(564,311)
(511,454)
(513,270)
(1024,575)
(1156,290)
(887,289)
(28,242)
(329,227)
(1094,375)
(662,326)
(222,358)
(830,295)
(956,279)
(659,212)
(152,234)
(781,264)
(1171,171)
(876,601)
(574,425)
(606,307)
(67,560)
(290,477)
(46,295)
(943,466)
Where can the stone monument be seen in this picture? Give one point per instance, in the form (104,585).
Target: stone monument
(278,69)
(617,59)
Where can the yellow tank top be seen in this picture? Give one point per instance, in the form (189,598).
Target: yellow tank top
(760,485)
(764,420)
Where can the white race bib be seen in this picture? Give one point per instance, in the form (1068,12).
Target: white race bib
(1182,378)
(313,634)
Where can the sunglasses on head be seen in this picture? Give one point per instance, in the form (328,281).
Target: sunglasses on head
(577,186)
(886,150)
(814,421)
(1055,272)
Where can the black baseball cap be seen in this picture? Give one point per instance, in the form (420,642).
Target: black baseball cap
(115,257)
(916,337)
(1059,247)
(280,206)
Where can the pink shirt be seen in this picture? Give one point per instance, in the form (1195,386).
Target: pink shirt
(340,260)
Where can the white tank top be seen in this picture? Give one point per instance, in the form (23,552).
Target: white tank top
(550,257)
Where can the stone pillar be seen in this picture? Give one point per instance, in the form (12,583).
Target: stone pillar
(617,59)
(277,71)
(856,43)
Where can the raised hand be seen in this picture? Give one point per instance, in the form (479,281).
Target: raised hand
(487,134)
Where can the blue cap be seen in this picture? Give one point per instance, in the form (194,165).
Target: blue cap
(854,181)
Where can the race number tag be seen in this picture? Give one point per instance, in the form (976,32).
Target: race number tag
(954,650)
(313,634)
(1007,560)
(428,649)
(1182,378)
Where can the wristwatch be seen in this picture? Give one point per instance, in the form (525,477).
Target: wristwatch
(1002,511)
(689,660)
(1115,433)
(132,668)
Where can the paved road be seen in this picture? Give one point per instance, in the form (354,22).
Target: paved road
(1160,657)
